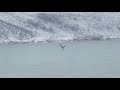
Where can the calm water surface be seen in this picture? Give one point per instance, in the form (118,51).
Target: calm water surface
(79,59)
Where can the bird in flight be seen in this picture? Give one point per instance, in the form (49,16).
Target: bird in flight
(62,47)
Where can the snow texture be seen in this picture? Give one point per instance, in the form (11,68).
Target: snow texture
(23,27)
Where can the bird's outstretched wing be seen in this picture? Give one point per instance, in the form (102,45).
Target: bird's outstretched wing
(60,45)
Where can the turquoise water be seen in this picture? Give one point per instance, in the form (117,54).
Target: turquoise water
(79,59)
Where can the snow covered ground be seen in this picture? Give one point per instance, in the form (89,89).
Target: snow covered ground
(58,26)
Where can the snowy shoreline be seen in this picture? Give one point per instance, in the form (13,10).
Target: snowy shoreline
(62,41)
(27,27)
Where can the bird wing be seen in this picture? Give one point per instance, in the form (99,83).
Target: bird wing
(60,45)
